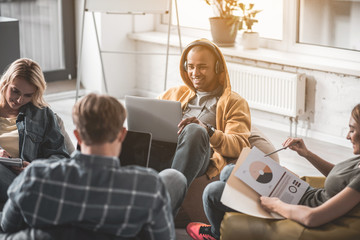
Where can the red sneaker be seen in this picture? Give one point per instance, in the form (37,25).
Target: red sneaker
(199,231)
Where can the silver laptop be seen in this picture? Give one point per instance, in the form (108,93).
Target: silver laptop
(159,117)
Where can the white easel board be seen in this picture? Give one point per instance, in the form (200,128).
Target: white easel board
(127,6)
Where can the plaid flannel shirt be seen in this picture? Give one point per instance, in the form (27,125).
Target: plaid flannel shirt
(91,192)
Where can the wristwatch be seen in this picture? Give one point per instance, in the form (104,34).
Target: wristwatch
(210,129)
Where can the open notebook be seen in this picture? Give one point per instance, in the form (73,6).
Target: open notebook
(255,175)
(17,162)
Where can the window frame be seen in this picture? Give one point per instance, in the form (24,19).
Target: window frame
(68,34)
(67,70)
(289,43)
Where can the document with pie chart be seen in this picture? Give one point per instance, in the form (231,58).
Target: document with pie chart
(268,178)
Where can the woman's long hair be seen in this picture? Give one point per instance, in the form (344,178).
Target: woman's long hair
(30,71)
(355,113)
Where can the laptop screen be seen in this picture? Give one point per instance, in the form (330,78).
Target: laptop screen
(159,117)
(136,149)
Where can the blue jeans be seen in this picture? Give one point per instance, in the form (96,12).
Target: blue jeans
(6,178)
(213,207)
(171,178)
(192,154)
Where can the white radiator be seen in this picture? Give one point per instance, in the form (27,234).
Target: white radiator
(269,90)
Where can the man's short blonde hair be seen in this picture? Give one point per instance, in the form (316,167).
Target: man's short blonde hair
(98,118)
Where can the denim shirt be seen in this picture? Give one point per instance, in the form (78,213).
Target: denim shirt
(39,134)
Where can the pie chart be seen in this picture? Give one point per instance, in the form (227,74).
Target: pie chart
(261,172)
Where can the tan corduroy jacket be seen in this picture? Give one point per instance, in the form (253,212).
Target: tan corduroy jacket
(233,122)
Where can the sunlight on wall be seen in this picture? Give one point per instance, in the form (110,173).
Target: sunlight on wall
(194,14)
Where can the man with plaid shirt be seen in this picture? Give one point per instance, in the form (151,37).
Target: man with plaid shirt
(91,190)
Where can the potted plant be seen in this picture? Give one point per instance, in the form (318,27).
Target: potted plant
(231,16)
(250,39)
(225,24)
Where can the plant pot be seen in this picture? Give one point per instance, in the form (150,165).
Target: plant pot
(223,31)
(250,40)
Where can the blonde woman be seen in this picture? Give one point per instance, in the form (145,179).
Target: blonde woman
(28,128)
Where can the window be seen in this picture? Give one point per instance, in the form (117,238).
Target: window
(325,28)
(330,23)
(199,11)
(47,34)
(196,14)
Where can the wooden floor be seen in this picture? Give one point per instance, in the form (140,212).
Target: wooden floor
(291,160)
(331,152)
(60,86)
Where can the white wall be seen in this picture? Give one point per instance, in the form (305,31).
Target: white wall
(151,70)
(90,73)
(330,98)
(112,31)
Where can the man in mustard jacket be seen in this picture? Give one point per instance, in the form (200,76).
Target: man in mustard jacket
(212,113)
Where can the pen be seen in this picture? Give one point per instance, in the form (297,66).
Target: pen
(283,148)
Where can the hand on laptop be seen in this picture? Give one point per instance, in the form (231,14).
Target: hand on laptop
(187,121)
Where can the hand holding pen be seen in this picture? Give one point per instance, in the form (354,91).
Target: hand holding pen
(297,145)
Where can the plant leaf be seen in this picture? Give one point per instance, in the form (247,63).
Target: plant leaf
(226,9)
(242,6)
(241,25)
